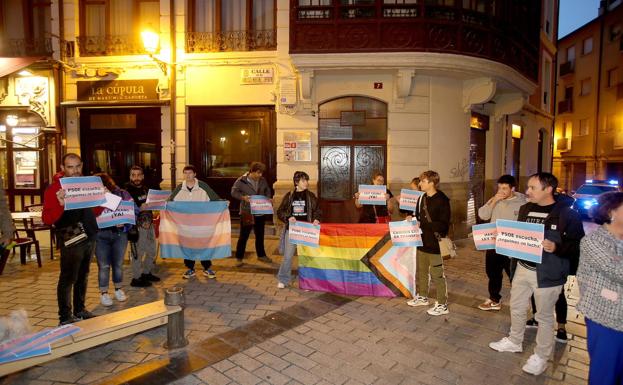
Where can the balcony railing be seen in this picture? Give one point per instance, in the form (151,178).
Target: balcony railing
(381,27)
(565,106)
(26,47)
(259,40)
(563,144)
(567,68)
(110,45)
(619,91)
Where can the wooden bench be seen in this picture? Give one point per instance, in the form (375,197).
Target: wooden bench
(100,330)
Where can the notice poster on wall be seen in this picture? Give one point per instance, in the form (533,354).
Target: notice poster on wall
(297,146)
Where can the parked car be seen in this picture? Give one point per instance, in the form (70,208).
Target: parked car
(586,196)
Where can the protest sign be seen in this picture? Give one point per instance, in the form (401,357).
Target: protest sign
(519,240)
(304,233)
(484,236)
(122,215)
(372,195)
(405,234)
(409,199)
(112,201)
(260,205)
(83,191)
(156,200)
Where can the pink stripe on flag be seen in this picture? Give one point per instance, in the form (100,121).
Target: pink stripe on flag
(195,243)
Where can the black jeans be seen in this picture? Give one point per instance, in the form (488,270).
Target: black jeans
(74,274)
(495,265)
(561,307)
(190,263)
(245,231)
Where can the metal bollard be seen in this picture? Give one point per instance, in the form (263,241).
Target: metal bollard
(175,327)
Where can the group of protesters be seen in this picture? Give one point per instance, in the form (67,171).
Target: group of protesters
(596,258)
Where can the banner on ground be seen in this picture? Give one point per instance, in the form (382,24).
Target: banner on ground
(357,259)
(304,233)
(260,205)
(409,198)
(520,240)
(370,194)
(124,214)
(195,230)
(35,344)
(484,236)
(83,191)
(405,234)
(156,200)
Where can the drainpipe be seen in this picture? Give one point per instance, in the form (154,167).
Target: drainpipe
(602,15)
(554,101)
(173,88)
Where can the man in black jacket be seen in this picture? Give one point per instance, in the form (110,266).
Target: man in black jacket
(251,183)
(563,231)
(434,216)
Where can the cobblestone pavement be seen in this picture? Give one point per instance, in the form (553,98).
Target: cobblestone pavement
(359,340)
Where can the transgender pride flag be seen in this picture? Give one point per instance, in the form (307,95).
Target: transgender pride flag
(195,230)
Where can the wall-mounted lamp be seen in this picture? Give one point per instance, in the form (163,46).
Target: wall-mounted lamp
(25,73)
(151,41)
(12,120)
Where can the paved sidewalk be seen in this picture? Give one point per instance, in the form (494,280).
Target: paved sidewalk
(243,330)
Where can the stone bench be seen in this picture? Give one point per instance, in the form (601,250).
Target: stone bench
(105,328)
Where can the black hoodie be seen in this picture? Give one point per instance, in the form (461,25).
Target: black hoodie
(438,207)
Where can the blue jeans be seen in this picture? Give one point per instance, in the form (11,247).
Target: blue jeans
(605,349)
(110,250)
(285,270)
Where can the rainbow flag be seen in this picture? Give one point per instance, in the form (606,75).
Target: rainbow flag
(337,265)
(195,230)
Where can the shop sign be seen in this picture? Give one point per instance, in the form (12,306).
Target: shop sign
(261,75)
(123,90)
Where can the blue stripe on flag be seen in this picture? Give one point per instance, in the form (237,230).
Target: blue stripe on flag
(211,207)
(339,275)
(518,255)
(174,251)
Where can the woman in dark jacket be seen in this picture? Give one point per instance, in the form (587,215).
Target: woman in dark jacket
(298,205)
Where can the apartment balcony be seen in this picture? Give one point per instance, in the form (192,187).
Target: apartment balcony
(619,91)
(259,40)
(380,27)
(563,144)
(565,106)
(110,45)
(567,68)
(25,47)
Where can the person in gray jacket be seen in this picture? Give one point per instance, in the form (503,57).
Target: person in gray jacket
(251,183)
(504,204)
(6,222)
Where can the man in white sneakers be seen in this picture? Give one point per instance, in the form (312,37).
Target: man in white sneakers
(504,204)
(563,231)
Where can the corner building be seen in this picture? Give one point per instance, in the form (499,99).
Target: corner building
(336,88)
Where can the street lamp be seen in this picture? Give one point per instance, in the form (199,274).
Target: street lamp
(151,42)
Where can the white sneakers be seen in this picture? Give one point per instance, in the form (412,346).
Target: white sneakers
(438,309)
(418,300)
(506,345)
(106,300)
(281,285)
(120,295)
(535,365)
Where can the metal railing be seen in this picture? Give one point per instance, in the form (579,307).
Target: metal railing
(565,106)
(26,47)
(566,68)
(258,40)
(110,45)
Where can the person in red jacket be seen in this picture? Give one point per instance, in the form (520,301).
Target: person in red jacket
(76,256)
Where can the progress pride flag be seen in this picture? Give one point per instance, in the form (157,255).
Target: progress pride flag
(83,191)
(520,240)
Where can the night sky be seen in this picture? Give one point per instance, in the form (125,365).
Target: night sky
(575,13)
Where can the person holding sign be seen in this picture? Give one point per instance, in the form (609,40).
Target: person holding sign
(563,232)
(434,216)
(600,276)
(251,183)
(112,241)
(144,249)
(76,231)
(192,189)
(298,205)
(376,213)
(504,204)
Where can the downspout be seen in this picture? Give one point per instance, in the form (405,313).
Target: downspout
(602,23)
(554,97)
(173,88)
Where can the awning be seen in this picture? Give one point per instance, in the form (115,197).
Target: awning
(9,65)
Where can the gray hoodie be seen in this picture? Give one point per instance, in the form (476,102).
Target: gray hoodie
(504,209)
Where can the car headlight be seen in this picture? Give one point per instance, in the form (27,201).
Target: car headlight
(590,203)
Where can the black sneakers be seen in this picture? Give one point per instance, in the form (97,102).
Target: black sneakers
(265,259)
(84,314)
(69,320)
(561,336)
(140,282)
(149,277)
